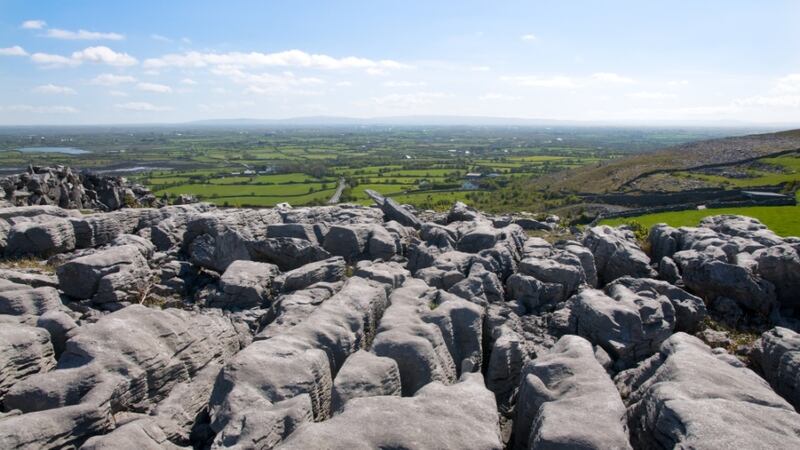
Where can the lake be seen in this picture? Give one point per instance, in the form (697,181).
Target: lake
(67,150)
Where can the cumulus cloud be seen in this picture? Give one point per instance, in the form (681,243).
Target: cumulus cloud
(408,100)
(789,83)
(608,77)
(289,58)
(141,106)
(115,93)
(188,82)
(104,55)
(529,37)
(403,84)
(109,79)
(55,109)
(546,82)
(33,24)
(651,95)
(98,55)
(493,96)
(268,83)
(50,60)
(678,83)
(54,89)
(154,87)
(13,51)
(82,35)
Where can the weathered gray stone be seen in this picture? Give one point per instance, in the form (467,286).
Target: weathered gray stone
(690,311)
(686,396)
(113,275)
(24,351)
(40,238)
(364,375)
(442,417)
(567,400)
(246,284)
(780,265)
(616,254)
(778,355)
(60,326)
(330,270)
(288,253)
(21,300)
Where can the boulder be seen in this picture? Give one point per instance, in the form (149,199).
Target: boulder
(22,300)
(288,252)
(24,351)
(113,275)
(616,254)
(330,270)
(40,238)
(778,356)
(628,326)
(567,400)
(780,265)
(60,326)
(442,417)
(246,284)
(690,311)
(302,231)
(365,375)
(349,242)
(688,396)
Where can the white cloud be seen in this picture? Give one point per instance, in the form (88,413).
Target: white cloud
(480,68)
(109,79)
(530,37)
(498,97)
(56,109)
(33,24)
(154,87)
(54,89)
(158,37)
(547,82)
(786,101)
(141,106)
(608,77)
(678,83)
(650,95)
(104,55)
(188,82)
(13,51)
(50,60)
(789,83)
(344,83)
(289,58)
(408,100)
(401,84)
(267,83)
(115,93)
(186,40)
(83,35)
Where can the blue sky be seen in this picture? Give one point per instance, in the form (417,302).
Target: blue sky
(84,62)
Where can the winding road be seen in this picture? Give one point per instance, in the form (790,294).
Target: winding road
(336,195)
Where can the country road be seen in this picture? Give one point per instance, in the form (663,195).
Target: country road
(335,197)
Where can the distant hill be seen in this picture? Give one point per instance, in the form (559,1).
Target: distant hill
(445,120)
(622,174)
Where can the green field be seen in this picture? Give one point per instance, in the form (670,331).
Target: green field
(783,220)
(787,169)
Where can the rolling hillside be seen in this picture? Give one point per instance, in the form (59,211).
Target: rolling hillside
(625,173)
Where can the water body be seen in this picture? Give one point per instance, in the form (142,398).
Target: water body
(66,150)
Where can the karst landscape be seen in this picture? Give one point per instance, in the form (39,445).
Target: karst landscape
(358,225)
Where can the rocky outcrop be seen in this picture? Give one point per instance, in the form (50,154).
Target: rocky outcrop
(354,327)
(119,274)
(60,186)
(778,356)
(567,400)
(459,416)
(688,396)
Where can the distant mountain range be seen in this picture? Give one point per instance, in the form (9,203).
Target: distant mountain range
(433,120)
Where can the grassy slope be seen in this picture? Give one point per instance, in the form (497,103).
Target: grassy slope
(606,177)
(783,220)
